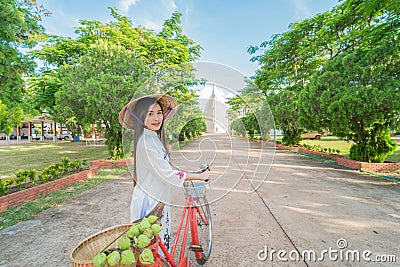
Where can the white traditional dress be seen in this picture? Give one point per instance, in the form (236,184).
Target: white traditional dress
(155,177)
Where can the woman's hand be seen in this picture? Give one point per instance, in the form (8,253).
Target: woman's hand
(205,176)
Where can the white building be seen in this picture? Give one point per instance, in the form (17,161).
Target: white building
(212,101)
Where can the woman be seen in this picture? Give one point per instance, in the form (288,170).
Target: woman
(153,174)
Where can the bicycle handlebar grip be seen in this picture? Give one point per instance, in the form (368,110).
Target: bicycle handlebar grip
(203,168)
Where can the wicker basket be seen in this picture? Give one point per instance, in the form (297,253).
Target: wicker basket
(82,255)
(196,190)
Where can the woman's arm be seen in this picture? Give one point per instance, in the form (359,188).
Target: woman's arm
(204,176)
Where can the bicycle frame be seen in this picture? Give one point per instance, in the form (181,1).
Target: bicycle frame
(189,212)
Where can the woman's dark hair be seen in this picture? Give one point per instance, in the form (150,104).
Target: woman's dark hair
(141,110)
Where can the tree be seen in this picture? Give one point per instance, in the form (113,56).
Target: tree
(346,49)
(97,87)
(189,120)
(19,30)
(67,59)
(287,66)
(9,117)
(250,112)
(357,97)
(356,94)
(284,106)
(75,75)
(171,46)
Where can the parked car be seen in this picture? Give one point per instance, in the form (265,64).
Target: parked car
(312,135)
(45,136)
(37,135)
(14,136)
(3,136)
(65,136)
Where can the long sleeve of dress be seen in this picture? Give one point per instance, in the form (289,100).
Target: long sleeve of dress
(159,166)
(155,176)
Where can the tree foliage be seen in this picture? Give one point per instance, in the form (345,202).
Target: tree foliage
(357,97)
(97,87)
(88,79)
(171,46)
(19,30)
(339,71)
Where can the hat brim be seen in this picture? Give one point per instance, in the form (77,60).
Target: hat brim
(169,106)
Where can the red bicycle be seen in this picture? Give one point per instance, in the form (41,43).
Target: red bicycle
(196,219)
(195,224)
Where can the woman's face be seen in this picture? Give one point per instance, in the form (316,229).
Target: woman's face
(154,117)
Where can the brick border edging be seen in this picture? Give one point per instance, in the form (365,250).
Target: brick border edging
(10,200)
(346,162)
(340,160)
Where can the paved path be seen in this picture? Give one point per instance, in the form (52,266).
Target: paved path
(301,205)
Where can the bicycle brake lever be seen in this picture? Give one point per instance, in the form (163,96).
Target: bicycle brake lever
(204,167)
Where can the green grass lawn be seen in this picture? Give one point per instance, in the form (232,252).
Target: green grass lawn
(330,142)
(344,146)
(39,155)
(27,210)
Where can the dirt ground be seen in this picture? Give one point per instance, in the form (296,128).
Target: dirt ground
(300,206)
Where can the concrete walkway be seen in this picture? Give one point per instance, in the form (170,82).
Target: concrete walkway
(301,206)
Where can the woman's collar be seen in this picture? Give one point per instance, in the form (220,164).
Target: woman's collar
(150,132)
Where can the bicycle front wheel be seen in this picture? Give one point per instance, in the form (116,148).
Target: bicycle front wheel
(202,240)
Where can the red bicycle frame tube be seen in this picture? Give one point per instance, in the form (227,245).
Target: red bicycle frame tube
(166,253)
(178,232)
(193,228)
(189,211)
(185,234)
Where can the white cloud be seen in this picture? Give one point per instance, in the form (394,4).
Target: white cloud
(156,20)
(170,4)
(154,25)
(125,4)
(62,24)
(302,11)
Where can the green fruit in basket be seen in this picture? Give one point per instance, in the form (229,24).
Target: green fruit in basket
(127,257)
(148,232)
(156,228)
(152,219)
(100,260)
(144,224)
(113,258)
(133,231)
(124,243)
(146,257)
(142,241)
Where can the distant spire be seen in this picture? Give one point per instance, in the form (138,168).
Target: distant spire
(210,112)
(214,130)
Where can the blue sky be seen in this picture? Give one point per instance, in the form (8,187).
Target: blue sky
(224,29)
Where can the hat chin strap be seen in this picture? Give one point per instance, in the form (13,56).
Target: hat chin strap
(136,117)
(168,114)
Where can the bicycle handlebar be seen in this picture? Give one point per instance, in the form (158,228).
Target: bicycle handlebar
(203,167)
